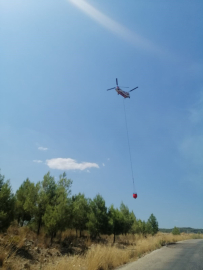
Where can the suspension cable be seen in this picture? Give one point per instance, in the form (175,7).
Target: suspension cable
(129,145)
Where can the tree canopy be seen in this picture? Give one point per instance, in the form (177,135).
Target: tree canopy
(48,203)
(175,231)
(7,203)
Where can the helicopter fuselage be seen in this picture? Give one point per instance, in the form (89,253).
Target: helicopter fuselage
(122,93)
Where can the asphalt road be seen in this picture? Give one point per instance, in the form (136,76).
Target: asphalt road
(183,255)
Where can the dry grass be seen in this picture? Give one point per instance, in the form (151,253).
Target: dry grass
(98,257)
(101,254)
(2,257)
(105,257)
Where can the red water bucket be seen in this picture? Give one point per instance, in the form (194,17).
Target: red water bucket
(134,195)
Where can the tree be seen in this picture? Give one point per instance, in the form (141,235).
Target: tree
(23,201)
(57,212)
(116,221)
(46,194)
(31,201)
(175,231)
(128,218)
(1,180)
(81,209)
(7,203)
(140,227)
(135,229)
(152,225)
(98,218)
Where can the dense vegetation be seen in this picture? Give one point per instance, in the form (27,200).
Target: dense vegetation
(49,204)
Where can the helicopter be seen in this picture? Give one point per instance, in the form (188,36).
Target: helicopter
(120,91)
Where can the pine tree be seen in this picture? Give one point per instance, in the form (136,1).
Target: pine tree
(175,231)
(25,201)
(7,203)
(46,193)
(116,221)
(128,218)
(153,227)
(58,210)
(98,218)
(81,209)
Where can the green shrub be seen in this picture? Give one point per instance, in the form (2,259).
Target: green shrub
(175,231)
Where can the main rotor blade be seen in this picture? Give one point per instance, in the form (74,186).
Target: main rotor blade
(110,88)
(124,86)
(133,89)
(116,81)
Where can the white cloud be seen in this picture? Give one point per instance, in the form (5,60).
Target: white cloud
(42,148)
(103,164)
(69,164)
(37,161)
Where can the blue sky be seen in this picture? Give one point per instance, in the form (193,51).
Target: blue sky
(57,60)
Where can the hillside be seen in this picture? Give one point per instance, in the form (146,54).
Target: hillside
(182,230)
